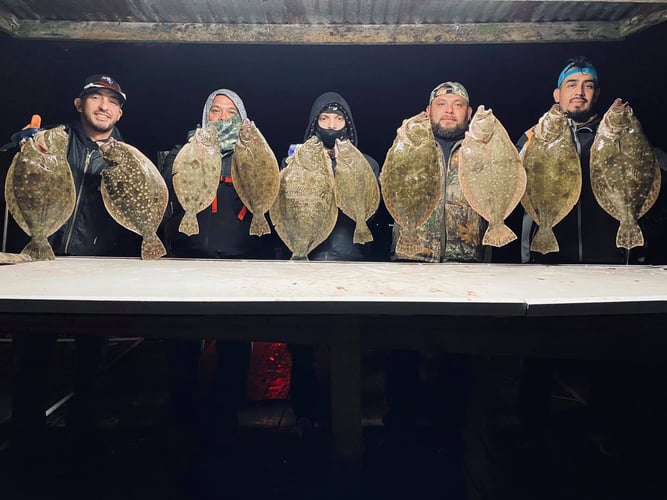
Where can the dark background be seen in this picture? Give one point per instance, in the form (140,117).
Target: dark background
(167,84)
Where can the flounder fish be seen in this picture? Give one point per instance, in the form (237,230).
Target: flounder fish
(13,258)
(134,194)
(357,190)
(412,180)
(196,176)
(255,175)
(491,174)
(553,172)
(40,191)
(305,212)
(625,175)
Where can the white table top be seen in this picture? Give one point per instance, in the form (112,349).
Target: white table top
(183,286)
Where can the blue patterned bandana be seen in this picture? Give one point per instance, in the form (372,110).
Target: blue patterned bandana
(571,69)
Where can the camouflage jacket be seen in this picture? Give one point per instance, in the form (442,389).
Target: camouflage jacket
(454,230)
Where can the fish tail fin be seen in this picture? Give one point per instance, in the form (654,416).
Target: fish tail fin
(189,224)
(629,235)
(498,235)
(152,248)
(39,249)
(408,244)
(544,241)
(362,234)
(259,225)
(299,257)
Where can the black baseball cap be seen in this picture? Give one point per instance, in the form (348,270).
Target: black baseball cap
(94,82)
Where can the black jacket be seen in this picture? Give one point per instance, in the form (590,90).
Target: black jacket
(91,231)
(339,246)
(223,227)
(587,234)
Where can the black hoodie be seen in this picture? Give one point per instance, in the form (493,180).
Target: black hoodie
(339,246)
(223,226)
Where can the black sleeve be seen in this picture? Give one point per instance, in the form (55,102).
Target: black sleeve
(174,211)
(374,165)
(168,166)
(521,142)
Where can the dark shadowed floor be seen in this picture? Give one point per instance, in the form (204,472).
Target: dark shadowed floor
(133,454)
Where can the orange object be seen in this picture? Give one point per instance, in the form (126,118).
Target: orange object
(35,122)
(242,212)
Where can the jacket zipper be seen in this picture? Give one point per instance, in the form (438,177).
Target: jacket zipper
(443,222)
(78,202)
(573,128)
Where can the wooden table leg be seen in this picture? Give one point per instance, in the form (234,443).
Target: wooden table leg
(346,408)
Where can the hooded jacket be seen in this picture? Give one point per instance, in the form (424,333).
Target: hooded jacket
(223,226)
(338,246)
(91,231)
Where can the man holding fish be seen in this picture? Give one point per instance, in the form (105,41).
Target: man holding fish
(208,219)
(612,176)
(90,231)
(447,229)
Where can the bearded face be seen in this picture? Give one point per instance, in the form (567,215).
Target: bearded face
(577,96)
(449,133)
(450,115)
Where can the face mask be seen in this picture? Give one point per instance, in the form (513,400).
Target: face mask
(228,131)
(328,136)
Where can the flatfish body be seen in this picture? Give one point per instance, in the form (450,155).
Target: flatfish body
(255,175)
(625,175)
(553,172)
(40,191)
(305,212)
(196,176)
(412,180)
(14,258)
(134,194)
(491,174)
(357,190)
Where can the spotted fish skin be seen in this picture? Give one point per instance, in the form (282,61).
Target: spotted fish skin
(357,190)
(491,174)
(305,212)
(255,175)
(134,194)
(412,180)
(14,258)
(625,175)
(196,176)
(553,171)
(40,191)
